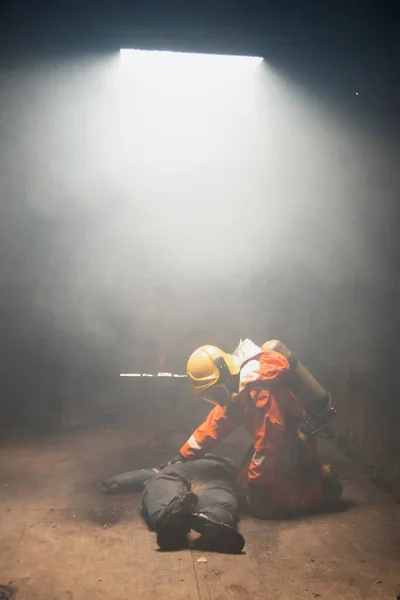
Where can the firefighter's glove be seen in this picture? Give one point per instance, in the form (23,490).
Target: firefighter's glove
(178,459)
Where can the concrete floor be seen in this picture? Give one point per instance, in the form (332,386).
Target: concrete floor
(61,539)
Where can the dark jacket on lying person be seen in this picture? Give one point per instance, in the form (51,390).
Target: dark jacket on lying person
(183,496)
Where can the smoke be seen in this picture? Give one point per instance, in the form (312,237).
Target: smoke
(127,223)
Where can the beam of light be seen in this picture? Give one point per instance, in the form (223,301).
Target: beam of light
(183,62)
(181,110)
(151,375)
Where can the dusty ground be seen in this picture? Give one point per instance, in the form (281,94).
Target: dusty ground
(61,539)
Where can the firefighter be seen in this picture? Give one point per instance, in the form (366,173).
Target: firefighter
(250,388)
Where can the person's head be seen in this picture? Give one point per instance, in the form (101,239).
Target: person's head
(213,374)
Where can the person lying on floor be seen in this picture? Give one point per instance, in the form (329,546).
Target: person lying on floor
(198,495)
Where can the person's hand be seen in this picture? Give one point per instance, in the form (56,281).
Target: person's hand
(178,459)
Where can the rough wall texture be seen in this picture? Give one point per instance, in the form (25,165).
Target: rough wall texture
(362,350)
(347,332)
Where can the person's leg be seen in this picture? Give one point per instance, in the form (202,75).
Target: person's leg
(171,509)
(215,515)
(217,500)
(167,503)
(176,480)
(212,480)
(159,491)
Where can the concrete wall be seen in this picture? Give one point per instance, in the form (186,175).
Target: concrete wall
(361,351)
(344,324)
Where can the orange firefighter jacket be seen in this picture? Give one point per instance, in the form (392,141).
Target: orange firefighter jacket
(268,410)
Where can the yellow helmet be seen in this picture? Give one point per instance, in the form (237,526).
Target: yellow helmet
(209,365)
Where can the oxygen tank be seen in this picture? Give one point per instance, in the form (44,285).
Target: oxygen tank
(302,383)
(313,397)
